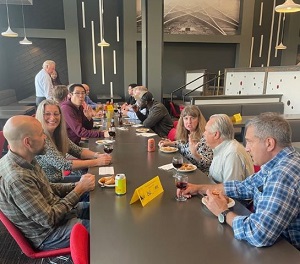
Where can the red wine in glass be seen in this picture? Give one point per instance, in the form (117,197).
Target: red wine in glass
(181,185)
(112,133)
(108,149)
(177,165)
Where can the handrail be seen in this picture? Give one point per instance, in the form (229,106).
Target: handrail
(181,87)
(217,76)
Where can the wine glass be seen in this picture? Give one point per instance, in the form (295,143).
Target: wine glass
(112,132)
(108,148)
(177,161)
(181,182)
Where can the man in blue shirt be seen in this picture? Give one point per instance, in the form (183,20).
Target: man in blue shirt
(275,189)
(87,99)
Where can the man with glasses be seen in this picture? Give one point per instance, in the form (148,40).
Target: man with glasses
(78,115)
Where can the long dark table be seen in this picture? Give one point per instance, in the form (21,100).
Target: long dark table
(164,231)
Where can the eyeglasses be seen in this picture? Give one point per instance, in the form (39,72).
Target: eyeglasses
(50,114)
(79,93)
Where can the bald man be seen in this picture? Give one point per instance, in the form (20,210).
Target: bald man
(44,212)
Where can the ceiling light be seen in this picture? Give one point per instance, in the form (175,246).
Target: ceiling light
(9,32)
(103,43)
(288,7)
(25,41)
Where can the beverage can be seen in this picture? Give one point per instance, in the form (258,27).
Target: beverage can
(151,145)
(120,184)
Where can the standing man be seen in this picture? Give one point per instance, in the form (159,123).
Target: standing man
(43,82)
(44,212)
(274,189)
(230,160)
(78,115)
(158,118)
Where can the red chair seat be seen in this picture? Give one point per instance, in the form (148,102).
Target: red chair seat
(80,244)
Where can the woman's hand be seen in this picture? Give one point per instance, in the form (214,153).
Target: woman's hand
(165,142)
(193,145)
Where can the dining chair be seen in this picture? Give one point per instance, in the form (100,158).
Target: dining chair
(80,244)
(60,254)
(2,141)
(173,110)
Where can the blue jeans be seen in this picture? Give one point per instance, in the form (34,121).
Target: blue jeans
(60,237)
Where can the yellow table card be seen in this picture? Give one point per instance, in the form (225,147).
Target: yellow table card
(236,118)
(148,191)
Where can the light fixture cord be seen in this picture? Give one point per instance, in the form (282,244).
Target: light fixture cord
(23,19)
(7,14)
(282,30)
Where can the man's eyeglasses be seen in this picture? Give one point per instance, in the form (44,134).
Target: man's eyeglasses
(50,114)
(79,93)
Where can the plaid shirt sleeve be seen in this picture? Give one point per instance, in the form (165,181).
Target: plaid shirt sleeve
(276,202)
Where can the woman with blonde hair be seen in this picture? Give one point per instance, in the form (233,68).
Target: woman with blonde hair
(190,140)
(58,145)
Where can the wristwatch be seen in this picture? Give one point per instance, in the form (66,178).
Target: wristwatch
(73,185)
(222,216)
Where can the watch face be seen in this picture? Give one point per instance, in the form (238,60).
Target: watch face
(221,218)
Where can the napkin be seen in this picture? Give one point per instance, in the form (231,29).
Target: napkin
(106,170)
(137,125)
(147,134)
(166,167)
(122,128)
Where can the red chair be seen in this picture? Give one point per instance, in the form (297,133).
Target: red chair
(80,244)
(2,141)
(172,132)
(173,110)
(26,247)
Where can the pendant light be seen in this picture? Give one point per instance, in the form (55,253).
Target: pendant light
(102,43)
(25,41)
(9,33)
(281,46)
(288,7)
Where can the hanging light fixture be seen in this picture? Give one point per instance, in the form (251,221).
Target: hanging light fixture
(9,32)
(288,7)
(102,43)
(25,41)
(281,46)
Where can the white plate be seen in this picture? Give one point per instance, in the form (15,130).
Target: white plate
(193,169)
(128,123)
(106,185)
(142,130)
(168,149)
(230,204)
(104,141)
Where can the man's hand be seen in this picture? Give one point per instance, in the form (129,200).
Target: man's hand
(135,108)
(103,159)
(85,184)
(88,111)
(215,203)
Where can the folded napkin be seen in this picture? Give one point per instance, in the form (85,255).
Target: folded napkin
(106,170)
(122,128)
(147,134)
(137,125)
(166,167)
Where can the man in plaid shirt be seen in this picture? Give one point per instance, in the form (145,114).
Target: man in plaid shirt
(44,212)
(275,189)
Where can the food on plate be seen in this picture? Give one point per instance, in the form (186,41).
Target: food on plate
(142,130)
(217,193)
(107,180)
(187,167)
(168,148)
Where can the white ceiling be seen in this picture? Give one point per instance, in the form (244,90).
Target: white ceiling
(17,2)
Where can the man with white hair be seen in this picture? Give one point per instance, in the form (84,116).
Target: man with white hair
(230,161)
(43,82)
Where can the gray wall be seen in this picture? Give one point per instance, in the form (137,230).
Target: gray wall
(55,28)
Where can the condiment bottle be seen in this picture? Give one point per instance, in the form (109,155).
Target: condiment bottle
(151,145)
(120,119)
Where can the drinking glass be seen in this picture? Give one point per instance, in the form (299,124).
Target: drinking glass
(177,161)
(181,182)
(108,148)
(112,132)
